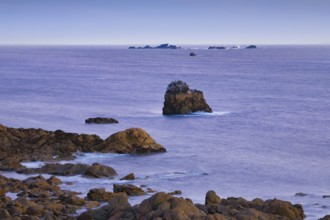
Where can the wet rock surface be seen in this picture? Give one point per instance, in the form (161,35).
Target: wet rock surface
(179,99)
(68,169)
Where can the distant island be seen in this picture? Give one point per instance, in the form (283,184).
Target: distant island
(251,47)
(162,46)
(214,47)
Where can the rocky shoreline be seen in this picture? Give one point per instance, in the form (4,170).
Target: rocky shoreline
(40,198)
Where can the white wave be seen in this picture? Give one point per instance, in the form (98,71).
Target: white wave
(203,114)
(35,164)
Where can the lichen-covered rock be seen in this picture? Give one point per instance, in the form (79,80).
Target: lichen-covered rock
(117,208)
(133,140)
(179,99)
(212,198)
(164,206)
(129,189)
(100,195)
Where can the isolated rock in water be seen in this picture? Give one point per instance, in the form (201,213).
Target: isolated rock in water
(133,140)
(100,120)
(251,47)
(192,54)
(214,47)
(179,99)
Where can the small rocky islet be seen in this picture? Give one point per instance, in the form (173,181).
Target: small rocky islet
(180,100)
(41,198)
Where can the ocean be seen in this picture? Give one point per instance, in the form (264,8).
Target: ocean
(268,137)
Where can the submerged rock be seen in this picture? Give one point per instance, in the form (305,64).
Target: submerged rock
(100,120)
(179,99)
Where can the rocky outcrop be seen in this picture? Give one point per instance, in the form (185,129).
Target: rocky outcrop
(251,47)
(162,205)
(192,54)
(38,198)
(162,46)
(21,144)
(129,176)
(179,99)
(69,169)
(100,195)
(100,120)
(133,140)
(215,47)
(129,189)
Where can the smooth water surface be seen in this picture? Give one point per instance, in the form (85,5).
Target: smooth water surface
(268,136)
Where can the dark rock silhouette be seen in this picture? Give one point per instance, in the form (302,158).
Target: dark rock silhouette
(179,99)
(100,120)
(251,47)
(162,46)
(192,54)
(215,47)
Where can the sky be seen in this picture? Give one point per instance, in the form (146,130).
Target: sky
(141,22)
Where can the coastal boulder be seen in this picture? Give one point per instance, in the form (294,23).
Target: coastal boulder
(179,99)
(133,141)
(164,206)
(129,189)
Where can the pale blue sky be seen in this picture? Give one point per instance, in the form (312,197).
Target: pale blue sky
(158,21)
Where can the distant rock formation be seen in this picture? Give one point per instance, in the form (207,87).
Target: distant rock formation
(192,54)
(179,99)
(100,120)
(214,47)
(251,47)
(162,46)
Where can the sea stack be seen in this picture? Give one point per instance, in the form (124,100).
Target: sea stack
(179,99)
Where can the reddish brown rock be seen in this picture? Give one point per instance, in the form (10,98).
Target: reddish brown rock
(100,195)
(130,176)
(133,140)
(129,189)
(179,99)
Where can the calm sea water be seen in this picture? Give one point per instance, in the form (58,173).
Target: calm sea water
(269,135)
